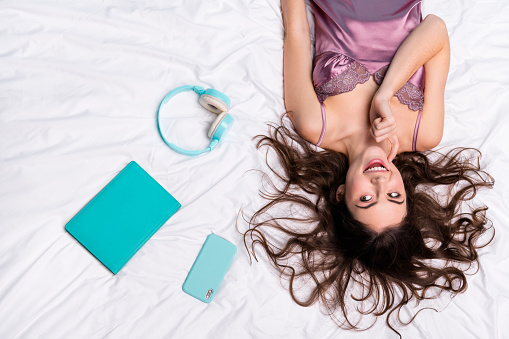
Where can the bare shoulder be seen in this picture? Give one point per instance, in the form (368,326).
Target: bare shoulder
(308,122)
(430,133)
(430,128)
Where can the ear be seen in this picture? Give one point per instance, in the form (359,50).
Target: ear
(340,192)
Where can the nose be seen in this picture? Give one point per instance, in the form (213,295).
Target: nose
(379,179)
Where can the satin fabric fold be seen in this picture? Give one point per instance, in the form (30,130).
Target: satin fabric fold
(364,31)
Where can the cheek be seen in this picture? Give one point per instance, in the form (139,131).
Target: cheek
(354,188)
(400,185)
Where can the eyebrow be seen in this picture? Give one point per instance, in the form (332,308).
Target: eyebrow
(394,201)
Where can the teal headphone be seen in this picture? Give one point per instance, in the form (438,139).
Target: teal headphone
(212,100)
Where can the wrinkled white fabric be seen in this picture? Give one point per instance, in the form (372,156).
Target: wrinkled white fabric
(80,83)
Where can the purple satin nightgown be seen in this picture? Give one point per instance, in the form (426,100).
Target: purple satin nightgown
(355,39)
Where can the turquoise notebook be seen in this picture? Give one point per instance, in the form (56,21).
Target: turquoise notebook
(122,216)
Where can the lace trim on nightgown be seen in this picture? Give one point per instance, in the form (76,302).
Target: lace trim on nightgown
(344,82)
(409,94)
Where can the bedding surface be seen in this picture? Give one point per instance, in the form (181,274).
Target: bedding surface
(80,83)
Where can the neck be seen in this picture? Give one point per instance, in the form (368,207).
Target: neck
(357,143)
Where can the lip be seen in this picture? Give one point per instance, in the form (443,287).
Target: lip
(374,162)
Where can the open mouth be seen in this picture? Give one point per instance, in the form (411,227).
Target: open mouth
(376,166)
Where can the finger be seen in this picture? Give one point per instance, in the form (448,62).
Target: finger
(373,129)
(384,123)
(384,134)
(394,148)
(386,130)
(372,133)
(376,123)
(384,137)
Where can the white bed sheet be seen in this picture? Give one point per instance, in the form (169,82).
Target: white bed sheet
(79,86)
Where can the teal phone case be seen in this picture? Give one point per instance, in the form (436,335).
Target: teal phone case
(209,268)
(122,216)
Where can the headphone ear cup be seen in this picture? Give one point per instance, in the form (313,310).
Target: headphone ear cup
(213,104)
(216,124)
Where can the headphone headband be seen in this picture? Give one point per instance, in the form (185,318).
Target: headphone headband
(212,100)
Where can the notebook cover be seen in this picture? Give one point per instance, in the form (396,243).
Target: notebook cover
(122,216)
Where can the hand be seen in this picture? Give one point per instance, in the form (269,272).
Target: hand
(383,124)
(394,148)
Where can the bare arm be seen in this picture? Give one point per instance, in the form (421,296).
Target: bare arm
(427,45)
(300,97)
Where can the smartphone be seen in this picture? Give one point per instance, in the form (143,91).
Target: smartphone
(209,268)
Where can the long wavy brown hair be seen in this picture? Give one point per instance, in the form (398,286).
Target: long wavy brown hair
(346,266)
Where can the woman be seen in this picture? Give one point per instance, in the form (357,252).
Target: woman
(375,221)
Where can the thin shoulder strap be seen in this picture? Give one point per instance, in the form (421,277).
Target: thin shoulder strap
(324,124)
(416,130)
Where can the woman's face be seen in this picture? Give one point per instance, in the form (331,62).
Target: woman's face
(374,192)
